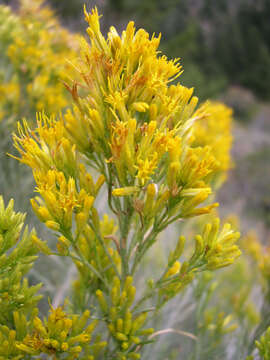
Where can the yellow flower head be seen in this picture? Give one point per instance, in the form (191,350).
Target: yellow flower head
(214,130)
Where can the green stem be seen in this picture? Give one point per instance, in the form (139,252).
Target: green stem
(125,222)
(147,296)
(81,258)
(87,264)
(136,241)
(167,223)
(143,247)
(102,243)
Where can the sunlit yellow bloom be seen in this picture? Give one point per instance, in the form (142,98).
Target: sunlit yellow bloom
(146,168)
(58,333)
(214,130)
(60,199)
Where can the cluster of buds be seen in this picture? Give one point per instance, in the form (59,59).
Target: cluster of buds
(124,327)
(57,335)
(61,333)
(17,254)
(215,248)
(60,201)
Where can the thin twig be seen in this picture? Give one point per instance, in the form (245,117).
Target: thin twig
(176,331)
(115,240)
(101,241)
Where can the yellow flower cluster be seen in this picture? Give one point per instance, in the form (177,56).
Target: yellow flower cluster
(66,194)
(46,148)
(132,118)
(59,334)
(136,133)
(216,248)
(33,48)
(55,167)
(133,127)
(214,130)
(61,200)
